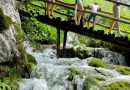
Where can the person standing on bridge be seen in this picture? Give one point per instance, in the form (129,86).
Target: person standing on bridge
(50,7)
(79,13)
(116,15)
(94,9)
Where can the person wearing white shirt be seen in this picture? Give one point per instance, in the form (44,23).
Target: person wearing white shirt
(94,9)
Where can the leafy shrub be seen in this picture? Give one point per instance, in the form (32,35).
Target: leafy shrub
(4,86)
(38,32)
(95,62)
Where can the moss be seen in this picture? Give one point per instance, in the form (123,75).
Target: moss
(27,69)
(74,71)
(22,51)
(95,62)
(118,85)
(123,70)
(5,21)
(89,82)
(20,34)
(92,80)
(31,59)
(82,54)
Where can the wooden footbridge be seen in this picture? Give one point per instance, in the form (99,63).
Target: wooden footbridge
(69,25)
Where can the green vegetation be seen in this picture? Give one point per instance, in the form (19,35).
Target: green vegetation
(91,80)
(95,62)
(4,86)
(118,85)
(5,21)
(73,72)
(125,70)
(20,67)
(38,32)
(16,70)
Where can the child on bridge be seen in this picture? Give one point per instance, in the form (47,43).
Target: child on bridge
(94,9)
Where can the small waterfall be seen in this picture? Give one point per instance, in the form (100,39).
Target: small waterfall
(109,56)
(52,73)
(72,37)
(105,54)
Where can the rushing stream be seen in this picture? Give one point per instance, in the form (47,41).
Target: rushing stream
(51,73)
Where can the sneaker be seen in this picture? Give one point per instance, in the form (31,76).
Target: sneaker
(110,32)
(119,34)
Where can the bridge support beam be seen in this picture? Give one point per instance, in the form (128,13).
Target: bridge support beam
(64,43)
(58,42)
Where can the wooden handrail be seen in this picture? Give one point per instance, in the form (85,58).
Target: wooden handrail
(120,3)
(111,18)
(72,5)
(85,19)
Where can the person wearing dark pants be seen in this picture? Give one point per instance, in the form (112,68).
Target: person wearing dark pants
(94,8)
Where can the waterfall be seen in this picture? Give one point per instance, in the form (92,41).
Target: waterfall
(105,54)
(52,73)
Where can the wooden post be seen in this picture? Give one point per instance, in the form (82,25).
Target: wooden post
(75,13)
(64,43)
(58,42)
(45,7)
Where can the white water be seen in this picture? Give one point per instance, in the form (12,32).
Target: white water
(51,73)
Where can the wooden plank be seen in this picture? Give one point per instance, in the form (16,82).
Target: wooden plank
(124,4)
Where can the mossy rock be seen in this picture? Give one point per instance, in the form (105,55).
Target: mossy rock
(80,55)
(5,21)
(20,34)
(22,51)
(95,62)
(87,53)
(123,70)
(89,82)
(27,69)
(74,71)
(118,85)
(31,59)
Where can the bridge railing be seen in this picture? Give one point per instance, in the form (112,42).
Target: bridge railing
(101,14)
